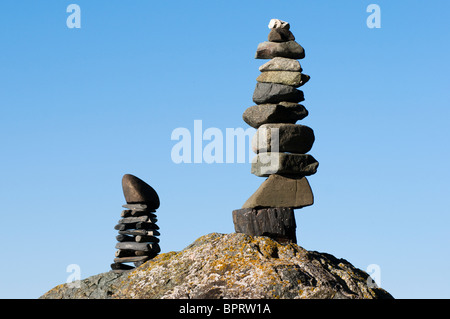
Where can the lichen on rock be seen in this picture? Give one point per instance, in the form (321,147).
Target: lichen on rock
(238,266)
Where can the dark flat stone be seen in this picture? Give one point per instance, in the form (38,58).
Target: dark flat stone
(277,223)
(273,93)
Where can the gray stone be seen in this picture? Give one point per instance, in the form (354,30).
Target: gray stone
(281,64)
(138,207)
(274,93)
(292,138)
(283,112)
(232,266)
(137,191)
(295,79)
(276,223)
(289,49)
(298,165)
(280,35)
(281,191)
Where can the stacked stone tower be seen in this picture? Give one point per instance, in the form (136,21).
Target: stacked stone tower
(137,239)
(280,144)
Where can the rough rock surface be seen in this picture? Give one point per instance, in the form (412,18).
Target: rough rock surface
(101,286)
(233,266)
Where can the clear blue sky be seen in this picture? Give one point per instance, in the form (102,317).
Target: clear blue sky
(81,107)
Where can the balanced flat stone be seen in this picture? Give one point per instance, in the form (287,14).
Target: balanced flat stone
(295,79)
(120,266)
(138,246)
(280,35)
(277,223)
(140,232)
(289,49)
(282,137)
(137,191)
(274,93)
(281,64)
(138,207)
(281,191)
(130,259)
(283,112)
(129,220)
(296,165)
(140,225)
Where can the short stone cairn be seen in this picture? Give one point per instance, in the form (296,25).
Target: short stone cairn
(280,144)
(137,239)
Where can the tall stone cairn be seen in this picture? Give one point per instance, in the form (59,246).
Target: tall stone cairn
(280,144)
(137,239)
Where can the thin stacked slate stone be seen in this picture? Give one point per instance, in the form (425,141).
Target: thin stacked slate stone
(137,239)
(280,144)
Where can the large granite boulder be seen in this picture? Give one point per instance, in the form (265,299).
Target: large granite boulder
(233,266)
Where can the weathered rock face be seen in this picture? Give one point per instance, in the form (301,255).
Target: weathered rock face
(101,286)
(232,266)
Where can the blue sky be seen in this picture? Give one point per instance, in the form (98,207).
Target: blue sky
(81,107)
